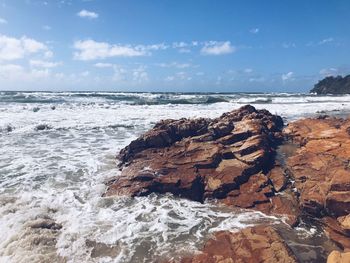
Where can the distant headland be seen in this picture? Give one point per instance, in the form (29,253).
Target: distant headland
(333,85)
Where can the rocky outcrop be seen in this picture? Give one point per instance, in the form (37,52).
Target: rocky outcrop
(239,159)
(228,158)
(250,245)
(333,85)
(320,168)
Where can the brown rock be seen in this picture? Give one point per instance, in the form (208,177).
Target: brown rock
(338,257)
(278,178)
(344,222)
(225,158)
(320,166)
(254,244)
(337,233)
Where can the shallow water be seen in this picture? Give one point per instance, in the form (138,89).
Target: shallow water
(58,149)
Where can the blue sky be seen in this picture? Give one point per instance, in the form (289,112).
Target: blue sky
(182,45)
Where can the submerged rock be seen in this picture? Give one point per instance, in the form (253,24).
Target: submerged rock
(36,109)
(42,127)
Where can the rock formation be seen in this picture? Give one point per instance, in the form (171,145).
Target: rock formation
(228,158)
(320,168)
(236,160)
(254,244)
(333,85)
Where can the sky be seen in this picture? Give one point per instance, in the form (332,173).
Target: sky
(172,45)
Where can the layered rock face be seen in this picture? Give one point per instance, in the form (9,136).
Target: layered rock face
(228,158)
(253,244)
(321,171)
(321,165)
(233,159)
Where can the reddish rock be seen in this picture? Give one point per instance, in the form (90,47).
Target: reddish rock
(278,178)
(320,166)
(232,158)
(250,245)
(337,232)
(225,158)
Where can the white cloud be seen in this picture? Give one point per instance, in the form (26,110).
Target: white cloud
(32,46)
(175,65)
(184,50)
(46,27)
(87,14)
(16,73)
(180,44)
(178,76)
(160,46)
(169,78)
(288,45)
(16,48)
(287,76)
(119,74)
(85,73)
(44,64)
(248,70)
(217,48)
(328,71)
(139,75)
(3,21)
(254,30)
(184,47)
(104,65)
(48,54)
(257,79)
(326,40)
(91,50)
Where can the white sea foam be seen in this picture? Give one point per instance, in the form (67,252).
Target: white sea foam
(58,175)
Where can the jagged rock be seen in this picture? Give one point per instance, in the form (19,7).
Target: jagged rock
(320,166)
(225,158)
(278,178)
(344,222)
(336,232)
(233,159)
(254,244)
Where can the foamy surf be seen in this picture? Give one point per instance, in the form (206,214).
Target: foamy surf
(57,150)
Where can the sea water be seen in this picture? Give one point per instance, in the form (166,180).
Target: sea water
(57,149)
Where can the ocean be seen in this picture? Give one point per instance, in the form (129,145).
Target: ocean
(57,149)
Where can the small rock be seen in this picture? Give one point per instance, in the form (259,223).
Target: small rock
(42,127)
(36,109)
